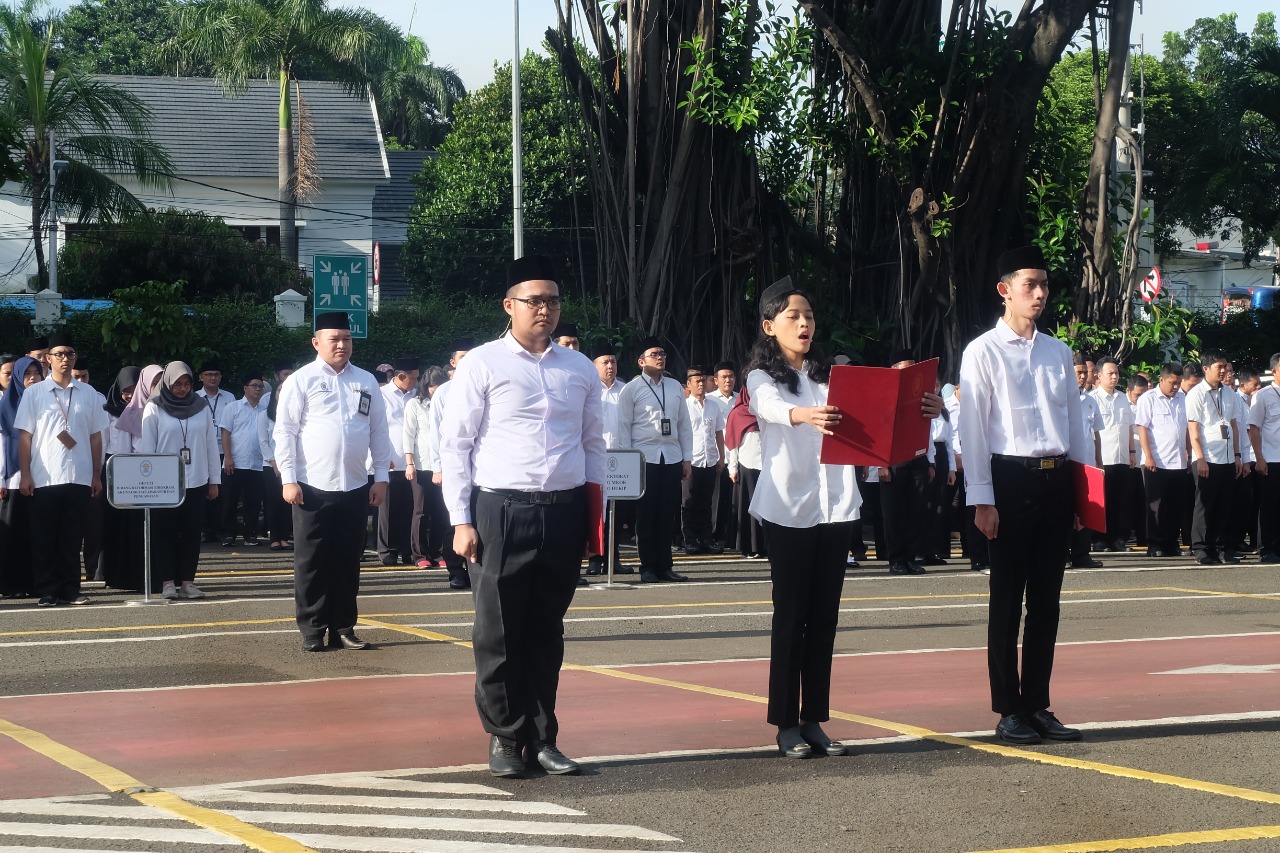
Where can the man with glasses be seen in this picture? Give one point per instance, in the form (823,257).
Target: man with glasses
(1161,420)
(60,459)
(520,440)
(210,388)
(653,418)
(91,528)
(242,462)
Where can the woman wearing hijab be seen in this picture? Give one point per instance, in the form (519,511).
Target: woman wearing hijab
(279,513)
(16,578)
(178,421)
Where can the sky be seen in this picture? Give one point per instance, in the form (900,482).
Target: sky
(473,34)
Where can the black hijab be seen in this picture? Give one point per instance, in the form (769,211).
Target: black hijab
(178,407)
(125,379)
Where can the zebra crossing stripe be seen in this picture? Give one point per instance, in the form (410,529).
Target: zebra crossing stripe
(112,833)
(358,844)
(214,794)
(451,824)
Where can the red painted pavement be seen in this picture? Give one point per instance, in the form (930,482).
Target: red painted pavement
(170,738)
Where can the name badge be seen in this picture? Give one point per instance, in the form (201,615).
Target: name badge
(1226,431)
(365,401)
(185,454)
(665,425)
(67,441)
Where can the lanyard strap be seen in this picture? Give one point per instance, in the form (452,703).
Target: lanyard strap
(661,401)
(1217,403)
(182,425)
(66,418)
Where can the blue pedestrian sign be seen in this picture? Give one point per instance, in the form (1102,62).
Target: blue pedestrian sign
(341,283)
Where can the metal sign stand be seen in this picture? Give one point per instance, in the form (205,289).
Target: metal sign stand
(146,563)
(611,545)
(146,481)
(624,480)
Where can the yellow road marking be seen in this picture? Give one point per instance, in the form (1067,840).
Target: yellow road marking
(118,781)
(1150,842)
(1228,594)
(417,632)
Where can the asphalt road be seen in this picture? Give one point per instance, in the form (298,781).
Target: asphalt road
(247,743)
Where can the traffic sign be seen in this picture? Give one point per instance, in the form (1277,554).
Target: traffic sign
(341,283)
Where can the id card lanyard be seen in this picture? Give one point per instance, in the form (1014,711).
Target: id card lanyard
(664,424)
(65,436)
(186,451)
(1217,404)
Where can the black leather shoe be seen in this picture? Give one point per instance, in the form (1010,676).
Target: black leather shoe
(649,577)
(1207,560)
(313,644)
(712,546)
(595,566)
(1086,562)
(792,744)
(619,569)
(1048,726)
(899,568)
(695,550)
(348,640)
(1013,728)
(459,580)
(552,760)
(672,577)
(933,561)
(1267,558)
(915,567)
(505,760)
(817,738)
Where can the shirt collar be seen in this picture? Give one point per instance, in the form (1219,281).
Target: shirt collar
(1008,335)
(324,367)
(513,346)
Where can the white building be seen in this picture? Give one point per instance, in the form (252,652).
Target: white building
(1203,268)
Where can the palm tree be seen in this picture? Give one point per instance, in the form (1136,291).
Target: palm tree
(99,129)
(415,98)
(246,39)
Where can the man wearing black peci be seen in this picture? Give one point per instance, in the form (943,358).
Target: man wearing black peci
(1020,423)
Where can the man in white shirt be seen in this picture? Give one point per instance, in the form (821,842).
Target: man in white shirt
(706,419)
(60,429)
(1020,422)
(1116,449)
(210,388)
(725,376)
(242,481)
(1080,539)
(1161,419)
(330,421)
(606,363)
(520,441)
(653,419)
(457,567)
(395,517)
(91,525)
(1264,436)
(1215,460)
(1242,523)
(1138,384)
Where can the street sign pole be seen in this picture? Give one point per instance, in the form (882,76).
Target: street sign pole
(341,283)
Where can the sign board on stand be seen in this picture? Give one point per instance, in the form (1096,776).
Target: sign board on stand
(624,480)
(146,481)
(341,283)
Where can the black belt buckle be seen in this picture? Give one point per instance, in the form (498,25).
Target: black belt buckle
(542,498)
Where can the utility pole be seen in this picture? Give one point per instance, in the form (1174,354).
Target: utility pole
(517,155)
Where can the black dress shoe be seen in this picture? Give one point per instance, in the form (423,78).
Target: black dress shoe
(818,739)
(460,581)
(619,569)
(1014,728)
(672,577)
(649,577)
(899,568)
(695,550)
(505,760)
(1268,559)
(1118,547)
(712,546)
(915,567)
(390,561)
(933,561)
(792,744)
(1207,560)
(595,566)
(552,760)
(1175,552)
(1230,559)
(1153,552)
(348,640)
(1048,726)
(1086,562)
(313,644)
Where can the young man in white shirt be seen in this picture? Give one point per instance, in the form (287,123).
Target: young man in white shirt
(520,441)
(1081,539)
(724,381)
(395,517)
(1215,460)
(1264,436)
(331,422)
(242,479)
(707,419)
(211,389)
(1138,384)
(91,549)
(456,566)
(1018,482)
(653,419)
(1117,452)
(605,360)
(1161,419)
(60,429)
(1242,524)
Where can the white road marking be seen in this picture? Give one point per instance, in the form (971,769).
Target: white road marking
(1224,669)
(113,833)
(218,794)
(389,782)
(356,844)
(449,824)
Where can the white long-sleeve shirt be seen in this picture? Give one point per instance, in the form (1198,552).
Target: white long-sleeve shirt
(609,398)
(266,440)
(1265,415)
(795,489)
(642,406)
(940,430)
(519,420)
(396,401)
(1020,399)
(163,433)
(417,432)
(322,437)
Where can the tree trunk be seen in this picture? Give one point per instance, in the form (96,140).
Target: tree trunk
(285,168)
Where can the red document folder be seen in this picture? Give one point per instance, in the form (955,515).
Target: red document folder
(882,424)
(1091,501)
(595,519)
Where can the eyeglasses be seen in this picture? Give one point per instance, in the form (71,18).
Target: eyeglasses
(70,353)
(537,303)
(254,385)
(656,354)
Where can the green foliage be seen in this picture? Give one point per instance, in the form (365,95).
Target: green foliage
(1163,332)
(171,245)
(460,230)
(415,98)
(117,36)
(148,323)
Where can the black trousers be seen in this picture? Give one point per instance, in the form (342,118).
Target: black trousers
(1116,483)
(329,531)
(872,515)
(902,501)
(1268,511)
(1136,518)
(91,531)
(213,528)
(1212,514)
(243,485)
(57,513)
(1243,523)
(278,513)
(696,496)
(17,575)
(748,533)
(938,507)
(395,518)
(175,538)
(1165,489)
(807,565)
(655,516)
(1028,557)
(725,517)
(522,586)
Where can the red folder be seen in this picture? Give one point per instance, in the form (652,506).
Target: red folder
(595,519)
(1091,501)
(882,424)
